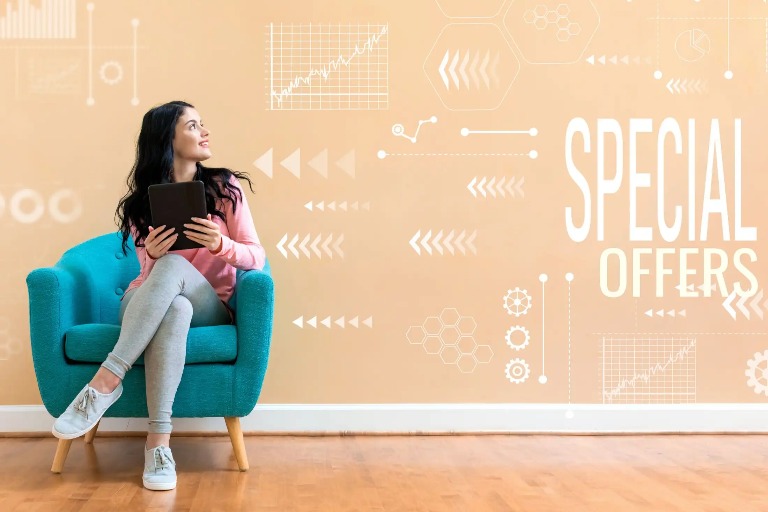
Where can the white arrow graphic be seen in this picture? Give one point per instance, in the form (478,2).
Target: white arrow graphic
(264,163)
(414,244)
(314,246)
(727,304)
(452,69)
(490,187)
(463,70)
(482,69)
(755,304)
(441,69)
(500,187)
(470,244)
(325,246)
(473,69)
(471,185)
(292,244)
(425,242)
(447,242)
(280,246)
(742,308)
(436,242)
(303,246)
(336,246)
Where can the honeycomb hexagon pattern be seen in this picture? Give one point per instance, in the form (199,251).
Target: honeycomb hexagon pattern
(450,336)
(551,33)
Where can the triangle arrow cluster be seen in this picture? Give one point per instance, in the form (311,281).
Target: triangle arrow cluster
(686,86)
(341,206)
(292,163)
(478,63)
(442,245)
(668,313)
(746,305)
(315,246)
(491,187)
(618,59)
(328,322)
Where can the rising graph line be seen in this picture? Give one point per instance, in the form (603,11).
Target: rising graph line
(646,376)
(325,71)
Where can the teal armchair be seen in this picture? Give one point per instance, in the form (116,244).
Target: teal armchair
(73,314)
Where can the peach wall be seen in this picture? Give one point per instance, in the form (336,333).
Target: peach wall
(71,109)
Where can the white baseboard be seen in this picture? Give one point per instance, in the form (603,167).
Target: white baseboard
(442,418)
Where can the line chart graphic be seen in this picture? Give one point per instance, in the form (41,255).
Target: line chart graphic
(331,66)
(648,369)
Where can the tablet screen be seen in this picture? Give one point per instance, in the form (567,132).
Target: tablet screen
(174,204)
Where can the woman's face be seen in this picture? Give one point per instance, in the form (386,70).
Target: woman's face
(190,141)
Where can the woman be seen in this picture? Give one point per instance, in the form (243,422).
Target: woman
(173,291)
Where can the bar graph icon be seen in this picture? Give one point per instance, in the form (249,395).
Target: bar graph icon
(41,19)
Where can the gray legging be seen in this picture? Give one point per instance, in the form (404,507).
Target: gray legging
(155,319)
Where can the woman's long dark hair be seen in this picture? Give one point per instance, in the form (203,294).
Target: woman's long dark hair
(154,164)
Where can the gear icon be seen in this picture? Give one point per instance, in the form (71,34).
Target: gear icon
(118,72)
(518,345)
(758,373)
(517,302)
(517,371)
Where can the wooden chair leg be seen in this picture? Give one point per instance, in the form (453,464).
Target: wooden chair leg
(62,449)
(236,436)
(91,433)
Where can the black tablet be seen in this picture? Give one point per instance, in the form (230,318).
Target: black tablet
(174,204)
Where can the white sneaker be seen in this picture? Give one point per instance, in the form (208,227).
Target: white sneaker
(84,412)
(159,469)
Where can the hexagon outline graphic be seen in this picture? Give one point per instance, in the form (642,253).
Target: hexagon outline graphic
(446,313)
(432,330)
(486,351)
(453,332)
(450,348)
(432,345)
(421,338)
(511,81)
(520,50)
(466,357)
(501,6)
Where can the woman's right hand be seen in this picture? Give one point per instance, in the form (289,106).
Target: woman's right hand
(159,241)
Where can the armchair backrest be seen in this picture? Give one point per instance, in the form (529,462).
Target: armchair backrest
(105,272)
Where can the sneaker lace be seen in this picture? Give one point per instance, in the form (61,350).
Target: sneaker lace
(81,405)
(163,458)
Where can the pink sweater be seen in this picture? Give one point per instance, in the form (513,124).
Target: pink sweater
(240,249)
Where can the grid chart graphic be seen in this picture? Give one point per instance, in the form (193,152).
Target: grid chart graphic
(49,19)
(331,66)
(648,369)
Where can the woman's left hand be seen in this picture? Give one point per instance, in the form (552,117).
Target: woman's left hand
(206,232)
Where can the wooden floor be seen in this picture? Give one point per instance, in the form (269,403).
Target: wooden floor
(425,473)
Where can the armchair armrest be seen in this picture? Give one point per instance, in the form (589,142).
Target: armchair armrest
(253,319)
(57,301)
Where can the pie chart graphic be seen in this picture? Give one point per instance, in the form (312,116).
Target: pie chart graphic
(692,45)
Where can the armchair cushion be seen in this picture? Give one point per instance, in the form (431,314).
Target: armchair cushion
(90,343)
